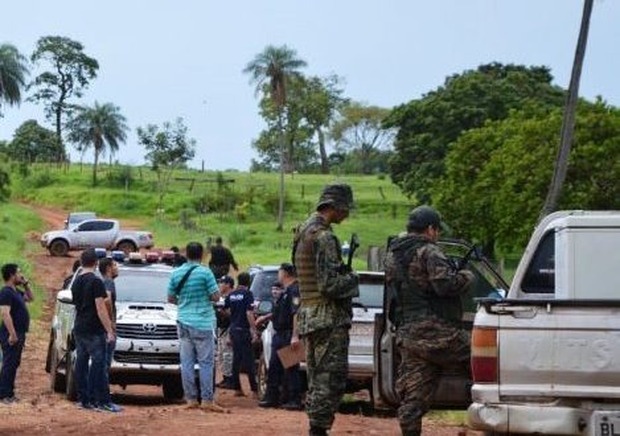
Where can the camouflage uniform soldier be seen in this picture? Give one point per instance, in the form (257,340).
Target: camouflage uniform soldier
(427,289)
(324,318)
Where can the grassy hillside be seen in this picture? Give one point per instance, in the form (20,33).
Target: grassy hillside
(241,207)
(17,223)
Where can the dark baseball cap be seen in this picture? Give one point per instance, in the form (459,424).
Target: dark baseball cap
(228,280)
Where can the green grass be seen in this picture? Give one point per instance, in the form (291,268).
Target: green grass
(15,246)
(248,225)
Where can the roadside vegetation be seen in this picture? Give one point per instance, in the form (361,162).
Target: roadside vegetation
(240,207)
(19,224)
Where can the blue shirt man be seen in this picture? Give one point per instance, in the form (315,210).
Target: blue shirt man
(193,288)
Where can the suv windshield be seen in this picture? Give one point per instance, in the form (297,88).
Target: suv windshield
(142,286)
(261,284)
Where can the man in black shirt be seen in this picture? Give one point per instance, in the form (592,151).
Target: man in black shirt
(16,321)
(242,331)
(92,331)
(285,307)
(221,259)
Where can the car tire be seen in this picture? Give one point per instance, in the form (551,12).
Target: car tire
(172,388)
(59,248)
(126,247)
(261,377)
(71,385)
(58,381)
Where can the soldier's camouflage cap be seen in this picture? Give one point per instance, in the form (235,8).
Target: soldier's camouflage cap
(338,195)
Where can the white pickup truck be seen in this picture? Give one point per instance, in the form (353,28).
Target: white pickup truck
(95,233)
(546,360)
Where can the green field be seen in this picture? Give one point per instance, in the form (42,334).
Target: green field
(17,223)
(241,207)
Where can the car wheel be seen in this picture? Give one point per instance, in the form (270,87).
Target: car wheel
(127,247)
(173,388)
(261,377)
(59,248)
(58,382)
(71,385)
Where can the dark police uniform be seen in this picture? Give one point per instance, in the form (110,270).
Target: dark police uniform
(239,302)
(283,313)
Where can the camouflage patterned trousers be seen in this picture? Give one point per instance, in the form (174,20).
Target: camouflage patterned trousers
(327,363)
(224,353)
(426,347)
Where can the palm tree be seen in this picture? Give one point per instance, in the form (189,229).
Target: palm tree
(270,70)
(13,72)
(100,126)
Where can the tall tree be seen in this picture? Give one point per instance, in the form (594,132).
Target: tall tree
(322,101)
(274,67)
(568,123)
(360,129)
(428,126)
(167,148)
(100,126)
(13,72)
(34,143)
(69,73)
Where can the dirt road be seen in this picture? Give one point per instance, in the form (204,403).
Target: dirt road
(41,412)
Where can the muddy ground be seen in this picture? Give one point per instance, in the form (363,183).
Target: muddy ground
(41,412)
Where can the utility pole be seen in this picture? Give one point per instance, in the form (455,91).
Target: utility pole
(568,121)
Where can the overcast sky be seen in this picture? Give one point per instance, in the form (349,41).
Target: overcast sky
(163,59)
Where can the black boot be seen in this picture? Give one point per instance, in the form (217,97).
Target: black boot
(317,431)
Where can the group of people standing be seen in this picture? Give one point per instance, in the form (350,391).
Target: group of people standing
(312,304)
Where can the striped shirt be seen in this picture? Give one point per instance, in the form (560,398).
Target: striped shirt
(195,307)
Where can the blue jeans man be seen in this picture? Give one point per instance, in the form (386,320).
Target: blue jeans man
(196,346)
(91,379)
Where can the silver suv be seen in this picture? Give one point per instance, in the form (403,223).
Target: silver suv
(147,345)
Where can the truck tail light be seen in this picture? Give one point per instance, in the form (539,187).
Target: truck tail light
(484,355)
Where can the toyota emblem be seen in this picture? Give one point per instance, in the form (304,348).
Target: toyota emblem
(149,327)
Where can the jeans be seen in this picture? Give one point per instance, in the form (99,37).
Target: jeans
(92,381)
(277,372)
(196,346)
(11,358)
(243,355)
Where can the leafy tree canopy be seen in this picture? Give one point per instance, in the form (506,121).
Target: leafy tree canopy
(359,129)
(428,126)
(497,176)
(69,72)
(167,148)
(34,143)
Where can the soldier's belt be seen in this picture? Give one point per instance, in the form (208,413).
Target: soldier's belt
(311,301)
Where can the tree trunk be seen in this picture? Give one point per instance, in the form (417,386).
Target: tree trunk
(95,167)
(59,127)
(322,152)
(568,121)
(282,147)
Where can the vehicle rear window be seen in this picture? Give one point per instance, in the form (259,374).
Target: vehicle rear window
(142,286)
(261,285)
(540,275)
(371,295)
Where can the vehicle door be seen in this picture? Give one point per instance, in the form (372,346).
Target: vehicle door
(93,234)
(365,307)
(454,388)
